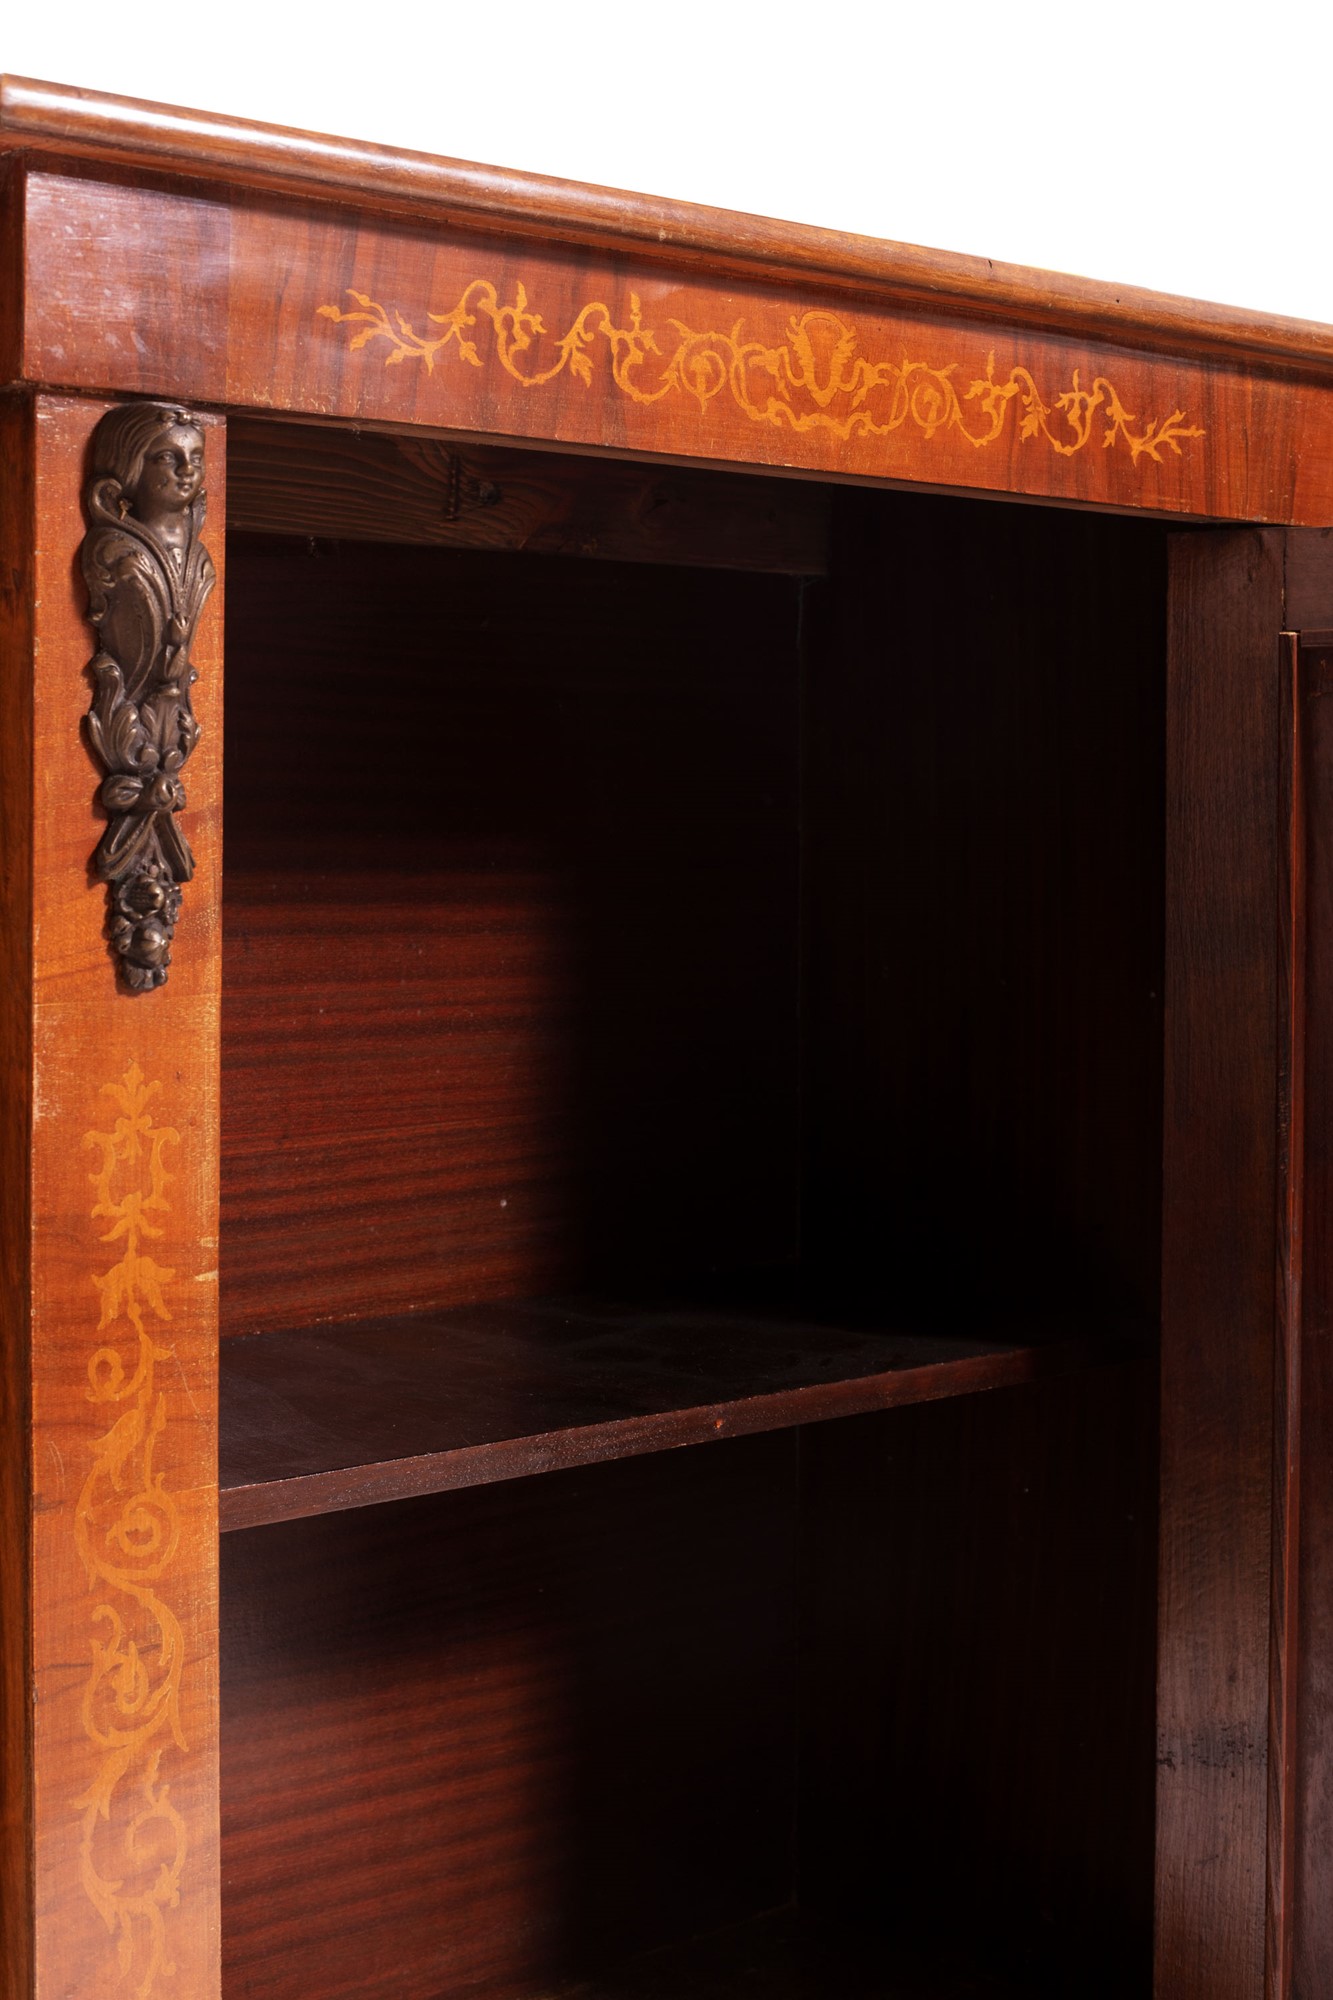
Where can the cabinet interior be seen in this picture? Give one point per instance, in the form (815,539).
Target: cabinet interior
(726,912)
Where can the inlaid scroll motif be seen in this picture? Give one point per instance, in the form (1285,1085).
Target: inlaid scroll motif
(148,574)
(127,1528)
(812,378)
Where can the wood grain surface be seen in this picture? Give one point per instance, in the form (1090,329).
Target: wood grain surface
(983,841)
(536,892)
(1297,1769)
(510,969)
(1297,1774)
(1000,791)
(241,152)
(274,305)
(11,269)
(17,607)
(1284,1589)
(1308,1659)
(385,1409)
(1299,1781)
(782,1957)
(983,1101)
(302,479)
(487,1741)
(977,1684)
(1220,1257)
(124,1209)
(1307,580)
(175,282)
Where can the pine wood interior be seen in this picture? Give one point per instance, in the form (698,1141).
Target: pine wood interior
(770,944)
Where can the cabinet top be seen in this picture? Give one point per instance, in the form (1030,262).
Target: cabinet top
(57,119)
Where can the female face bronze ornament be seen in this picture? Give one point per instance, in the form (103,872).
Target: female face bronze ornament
(148,575)
(171,480)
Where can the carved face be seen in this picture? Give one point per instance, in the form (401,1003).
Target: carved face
(173,473)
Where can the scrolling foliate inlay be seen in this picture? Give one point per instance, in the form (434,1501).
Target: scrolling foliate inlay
(813,379)
(127,1528)
(148,574)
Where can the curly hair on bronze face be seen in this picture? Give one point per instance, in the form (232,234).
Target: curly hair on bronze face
(124,437)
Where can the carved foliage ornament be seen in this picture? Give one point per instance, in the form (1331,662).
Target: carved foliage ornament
(148,575)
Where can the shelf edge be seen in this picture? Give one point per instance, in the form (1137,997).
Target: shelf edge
(267,1503)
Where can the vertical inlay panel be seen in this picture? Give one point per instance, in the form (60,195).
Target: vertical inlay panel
(124,1315)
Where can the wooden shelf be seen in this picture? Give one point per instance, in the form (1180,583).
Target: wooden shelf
(347,1415)
(776,1957)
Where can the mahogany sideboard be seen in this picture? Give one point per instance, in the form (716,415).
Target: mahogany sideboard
(701,1129)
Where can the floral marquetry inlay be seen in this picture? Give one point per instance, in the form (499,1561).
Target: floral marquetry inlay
(814,378)
(127,1525)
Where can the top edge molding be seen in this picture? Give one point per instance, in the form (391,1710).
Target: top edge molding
(57,118)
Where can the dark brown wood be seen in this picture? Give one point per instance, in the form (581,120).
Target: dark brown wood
(511,985)
(302,479)
(1307,579)
(491,1740)
(983,891)
(1220,1256)
(17,1816)
(620,927)
(11,269)
(984,860)
(780,1957)
(148,575)
(1308,603)
(977,1682)
(242,152)
(1284,1591)
(342,1417)
(1308,1656)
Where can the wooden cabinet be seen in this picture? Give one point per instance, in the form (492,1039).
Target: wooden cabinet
(697,1126)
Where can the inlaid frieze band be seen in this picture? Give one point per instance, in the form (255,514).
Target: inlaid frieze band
(148,575)
(813,378)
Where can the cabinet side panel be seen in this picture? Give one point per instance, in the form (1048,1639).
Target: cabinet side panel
(1218,1309)
(1308,579)
(124,1314)
(15,1080)
(1307,1684)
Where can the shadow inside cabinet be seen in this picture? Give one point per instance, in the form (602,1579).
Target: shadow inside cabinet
(667,1000)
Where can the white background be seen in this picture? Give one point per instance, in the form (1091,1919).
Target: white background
(1177,145)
